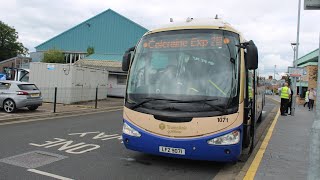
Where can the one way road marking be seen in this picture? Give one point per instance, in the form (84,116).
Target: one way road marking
(48,174)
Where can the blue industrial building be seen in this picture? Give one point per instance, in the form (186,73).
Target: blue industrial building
(108,33)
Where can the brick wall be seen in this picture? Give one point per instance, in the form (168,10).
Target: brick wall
(311,75)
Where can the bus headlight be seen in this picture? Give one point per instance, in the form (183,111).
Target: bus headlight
(130,131)
(227,139)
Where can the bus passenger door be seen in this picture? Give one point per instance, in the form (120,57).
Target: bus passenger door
(249,119)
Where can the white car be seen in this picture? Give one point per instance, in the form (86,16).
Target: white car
(16,94)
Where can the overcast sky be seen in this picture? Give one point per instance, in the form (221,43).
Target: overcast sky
(272,24)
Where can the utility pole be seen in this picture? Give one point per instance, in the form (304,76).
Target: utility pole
(274,77)
(294,86)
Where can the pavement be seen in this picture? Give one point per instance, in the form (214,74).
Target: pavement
(61,109)
(287,153)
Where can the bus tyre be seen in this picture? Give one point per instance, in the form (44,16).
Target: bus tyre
(246,137)
(260,117)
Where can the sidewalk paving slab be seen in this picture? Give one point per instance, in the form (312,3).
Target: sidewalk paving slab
(287,154)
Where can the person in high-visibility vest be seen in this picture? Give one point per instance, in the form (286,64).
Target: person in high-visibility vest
(285,97)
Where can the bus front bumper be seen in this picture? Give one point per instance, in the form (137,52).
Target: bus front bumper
(194,148)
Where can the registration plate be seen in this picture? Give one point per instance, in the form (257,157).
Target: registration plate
(34,95)
(171,150)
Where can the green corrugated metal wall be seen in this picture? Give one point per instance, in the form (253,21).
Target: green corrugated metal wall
(108,32)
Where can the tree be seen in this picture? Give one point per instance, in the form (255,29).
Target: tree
(9,45)
(90,50)
(53,56)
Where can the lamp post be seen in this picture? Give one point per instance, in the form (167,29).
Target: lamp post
(293,45)
(274,79)
(293,83)
(296,50)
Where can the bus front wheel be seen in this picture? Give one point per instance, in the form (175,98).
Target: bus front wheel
(246,136)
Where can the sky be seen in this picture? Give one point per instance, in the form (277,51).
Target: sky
(271,24)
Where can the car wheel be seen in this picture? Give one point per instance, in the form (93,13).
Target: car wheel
(33,108)
(9,106)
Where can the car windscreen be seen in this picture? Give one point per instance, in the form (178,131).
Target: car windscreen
(27,87)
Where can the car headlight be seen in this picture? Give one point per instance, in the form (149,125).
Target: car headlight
(227,139)
(130,131)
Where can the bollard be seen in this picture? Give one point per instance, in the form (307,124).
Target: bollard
(55,100)
(96,103)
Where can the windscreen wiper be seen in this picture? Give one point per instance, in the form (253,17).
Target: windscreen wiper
(206,101)
(143,102)
(170,100)
(215,107)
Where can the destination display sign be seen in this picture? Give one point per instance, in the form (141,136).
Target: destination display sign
(195,42)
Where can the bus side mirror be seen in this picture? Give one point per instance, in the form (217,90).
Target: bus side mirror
(126,60)
(252,56)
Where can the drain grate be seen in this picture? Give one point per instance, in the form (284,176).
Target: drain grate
(33,159)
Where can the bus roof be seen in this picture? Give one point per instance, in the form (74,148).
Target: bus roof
(193,23)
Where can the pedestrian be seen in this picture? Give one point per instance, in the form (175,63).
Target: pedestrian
(289,109)
(306,99)
(312,97)
(279,91)
(285,96)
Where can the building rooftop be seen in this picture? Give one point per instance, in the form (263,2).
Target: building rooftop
(308,59)
(107,32)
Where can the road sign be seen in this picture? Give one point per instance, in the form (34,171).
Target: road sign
(295,72)
(311,4)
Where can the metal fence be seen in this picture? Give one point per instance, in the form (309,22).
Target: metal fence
(117,91)
(72,95)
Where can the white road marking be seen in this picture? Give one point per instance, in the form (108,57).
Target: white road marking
(68,146)
(83,134)
(48,174)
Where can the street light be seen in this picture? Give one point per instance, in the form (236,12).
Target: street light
(294,80)
(295,47)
